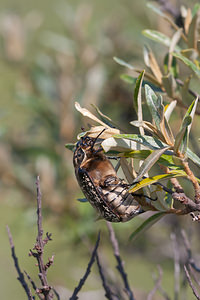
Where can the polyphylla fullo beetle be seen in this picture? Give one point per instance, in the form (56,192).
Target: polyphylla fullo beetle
(105,191)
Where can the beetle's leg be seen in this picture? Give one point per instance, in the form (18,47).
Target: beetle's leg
(113,157)
(109,181)
(142,195)
(97,138)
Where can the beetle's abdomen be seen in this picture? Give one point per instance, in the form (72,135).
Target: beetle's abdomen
(94,196)
(110,198)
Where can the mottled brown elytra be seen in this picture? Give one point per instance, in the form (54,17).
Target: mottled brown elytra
(98,180)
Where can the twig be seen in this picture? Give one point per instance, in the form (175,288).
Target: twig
(176,267)
(56,294)
(17,267)
(33,285)
(190,259)
(191,283)
(157,285)
(119,266)
(107,289)
(179,195)
(39,249)
(88,270)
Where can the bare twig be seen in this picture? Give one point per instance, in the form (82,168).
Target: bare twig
(33,285)
(158,286)
(119,266)
(107,289)
(45,290)
(56,294)
(179,195)
(190,259)
(17,267)
(88,270)
(194,274)
(176,267)
(191,283)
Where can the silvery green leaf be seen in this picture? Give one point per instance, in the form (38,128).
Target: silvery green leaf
(123,63)
(155,105)
(193,157)
(181,140)
(159,37)
(170,109)
(137,95)
(120,145)
(188,63)
(146,225)
(148,141)
(149,162)
(70,146)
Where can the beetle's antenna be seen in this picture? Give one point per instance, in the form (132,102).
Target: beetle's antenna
(97,138)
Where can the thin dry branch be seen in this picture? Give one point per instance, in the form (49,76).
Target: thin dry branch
(191,283)
(109,293)
(119,266)
(179,195)
(87,272)
(17,267)
(45,290)
(158,286)
(190,259)
(176,266)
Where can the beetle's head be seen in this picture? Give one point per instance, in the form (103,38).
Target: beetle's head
(85,149)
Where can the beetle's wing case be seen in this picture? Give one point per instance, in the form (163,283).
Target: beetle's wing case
(94,196)
(120,201)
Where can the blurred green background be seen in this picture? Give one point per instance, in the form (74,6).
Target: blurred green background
(53,53)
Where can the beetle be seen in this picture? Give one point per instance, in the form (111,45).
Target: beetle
(98,180)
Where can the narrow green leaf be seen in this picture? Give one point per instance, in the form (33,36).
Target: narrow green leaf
(188,63)
(129,79)
(159,37)
(123,63)
(155,9)
(155,105)
(174,70)
(119,145)
(70,146)
(181,138)
(192,108)
(195,9)
(146,225)
(105,118)
(193,32)
(157,178)
(170,109)
(165,159)
(148,141)
(181,142)
(149,162)
(191,54)
(137,99)
(193,157)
